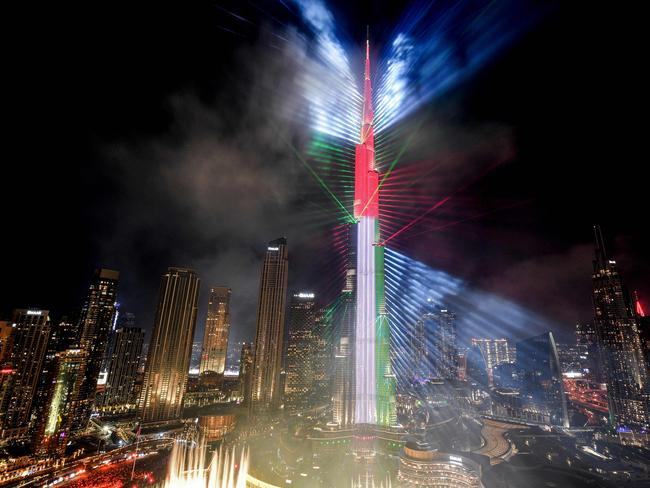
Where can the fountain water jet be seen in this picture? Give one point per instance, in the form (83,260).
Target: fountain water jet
(188,467)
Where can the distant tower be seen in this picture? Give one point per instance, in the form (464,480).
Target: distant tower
(619,344)
(322,358)
(126,353)
(644,330)
(419,364)
(245,371)
(269,336)
(217,328)
(587,344)
(170,348)
(299,384)
(441,326)
(30,337)
(96,321)
(495,352)
(542,389)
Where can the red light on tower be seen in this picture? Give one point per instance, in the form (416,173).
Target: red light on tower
(639,309)
(366,177)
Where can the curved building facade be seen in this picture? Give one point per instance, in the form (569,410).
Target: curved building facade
(420,466)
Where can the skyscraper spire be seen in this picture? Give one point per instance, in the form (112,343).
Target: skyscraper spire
(367,72)
(600,254)
(367,132)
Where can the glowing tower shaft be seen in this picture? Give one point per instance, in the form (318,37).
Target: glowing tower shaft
(374,398)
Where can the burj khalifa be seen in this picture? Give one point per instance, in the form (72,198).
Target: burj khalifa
(374,381)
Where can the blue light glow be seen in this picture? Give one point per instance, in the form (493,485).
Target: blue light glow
(439,44)
(411,286)
(328,83)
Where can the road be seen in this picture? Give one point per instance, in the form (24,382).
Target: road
(496,446)
(57,476)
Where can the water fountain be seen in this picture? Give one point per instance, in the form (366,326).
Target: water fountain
(191,467)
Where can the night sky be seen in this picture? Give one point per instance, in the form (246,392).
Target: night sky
(139,137)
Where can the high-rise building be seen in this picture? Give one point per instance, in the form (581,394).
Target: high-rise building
(6,332)
(6,377)
(442,325)
(233,355)
(96,321)
(343,385)
(126,352)
(421,466)
(619,344)
(375,381)
(569,358)
(420,363)
(476,368)
(644,330)
(30,338)
(301,350)
(53,428)
(461,360)
(322,357)
(245,371)
(269,335)
(587,345)
(217,328)
(170,348)
(66,334)
(495,352)
(542,390)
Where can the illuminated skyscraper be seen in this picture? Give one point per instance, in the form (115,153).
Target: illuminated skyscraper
(6,331)
(30,337)
(170,348)
(375,382)
(301,351)
(619,344)
(322,361)
(217,328)
(269,336)
(96,321)
(587,344)
(245,371)
(123,365)
(644,331)
(54,426)
(495,352)
(344,392)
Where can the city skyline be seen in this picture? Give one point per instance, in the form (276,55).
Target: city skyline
(409,258)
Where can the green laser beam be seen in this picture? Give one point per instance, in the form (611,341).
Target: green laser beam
(318,178)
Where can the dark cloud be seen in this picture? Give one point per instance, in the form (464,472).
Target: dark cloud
(556,285)
(210,192)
